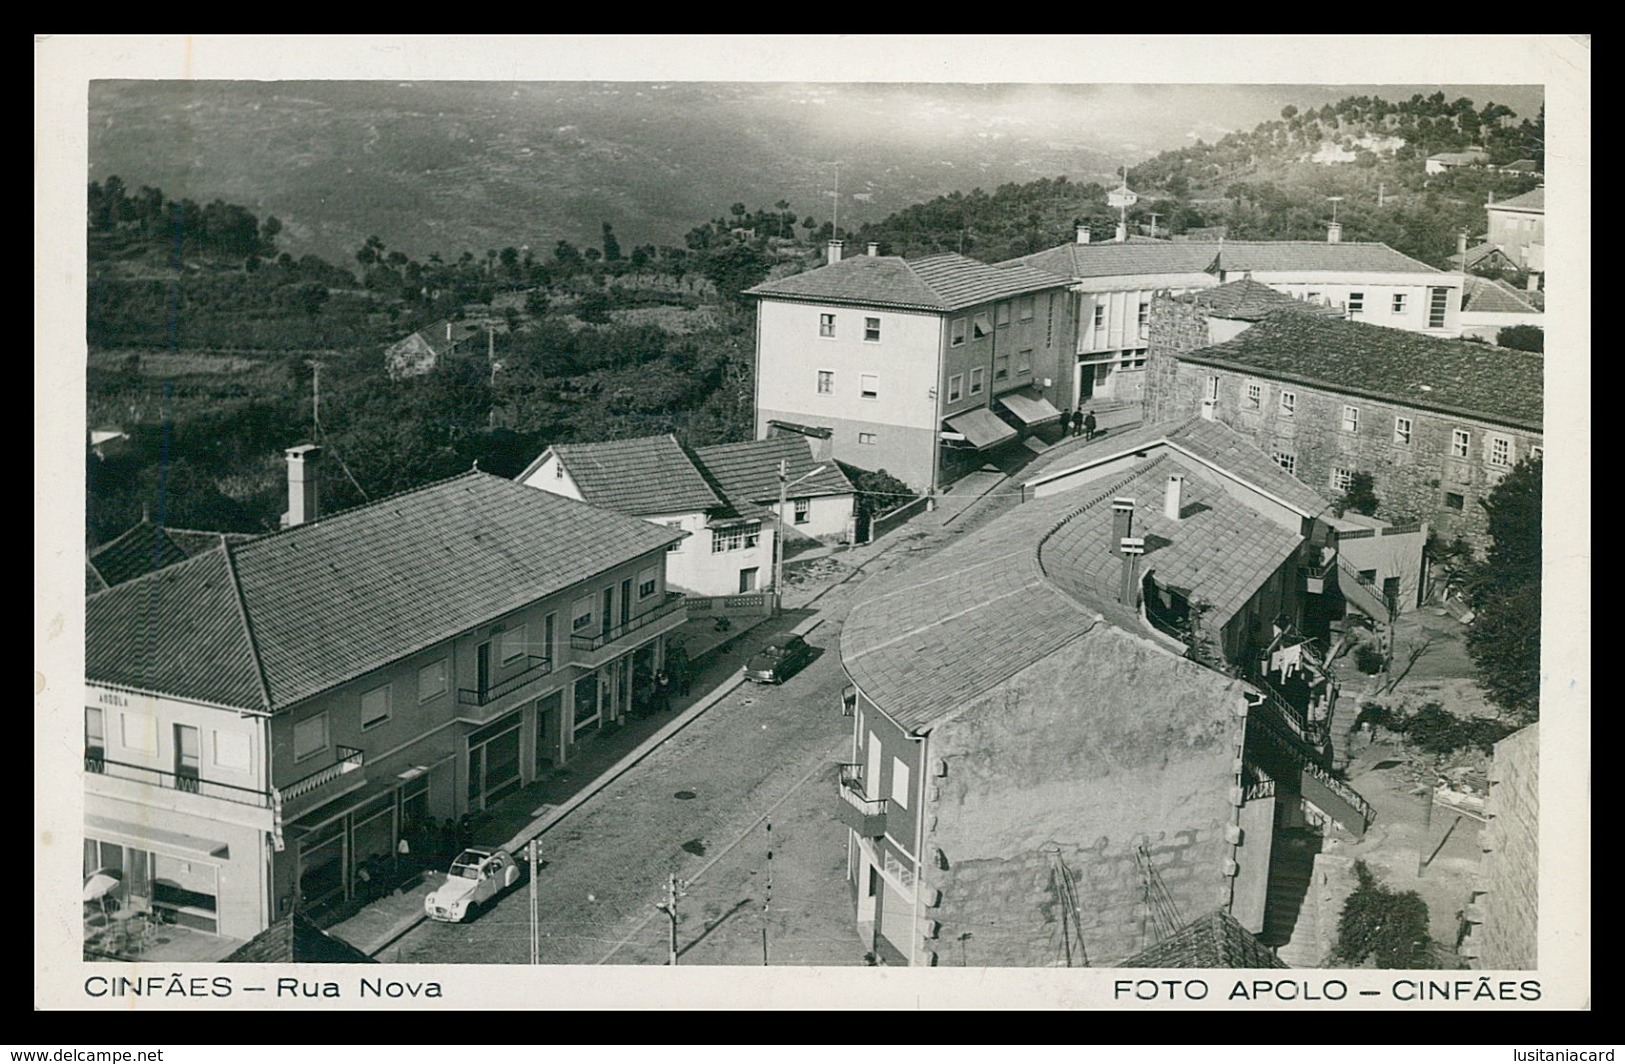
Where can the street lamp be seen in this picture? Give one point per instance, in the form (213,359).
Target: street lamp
(785,484)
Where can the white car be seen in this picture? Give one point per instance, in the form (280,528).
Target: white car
(476,877)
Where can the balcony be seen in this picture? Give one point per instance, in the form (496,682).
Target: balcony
(591,651)
(1315,572)
(184,783)
(534,669)
(864,815)
(346,760)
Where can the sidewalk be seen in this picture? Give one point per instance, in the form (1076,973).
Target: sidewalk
(531,811)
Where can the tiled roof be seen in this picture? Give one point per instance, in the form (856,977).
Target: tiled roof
(1451,376)
(936,283)
(148,547)
(267,623)
(1216,940)
(1477,254)
(1486,296)
(749,471)
(1533,200)
(295,939)
(1202,440)
(434,336)
(1250,300)
(649,475)
(1111,258)
(1015,591)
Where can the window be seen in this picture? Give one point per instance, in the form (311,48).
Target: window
(581,613)
(976,381)
(956,332)
(310,737)
(869,386)
(374,707)
(980,326)
(826,382)
(1460,443)
(1134,359)
(826,325)
(558,469)
(866,438)
(1024,361)
(1342,479)
(515,644)
(1356,302)
(747,580)
(1402,431)
(1538,454)
(1351,419)
(1500,451)
(1002,311)
(1213,389)
(1368,577)
(1288,462)
(95,734)
(1438,305)
(803,510)
(1001,367)
(899,781)
(1049,322)
(1455,500)
(1025,313)
(673,548)
(956,385)
(1100,316)
(1255,396)
(736,537)
(1289,404)
(433,680)
(550,634)
(1399,302)
(232,750)
(648,580)
(871,330)
(1145,318)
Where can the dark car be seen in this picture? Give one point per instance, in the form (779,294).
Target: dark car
(777,661)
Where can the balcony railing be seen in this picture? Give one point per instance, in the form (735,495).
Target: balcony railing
(1316,573)
(347,760)
(674,603)
(1259,791)
(864,815)
(173,781)
(535,669)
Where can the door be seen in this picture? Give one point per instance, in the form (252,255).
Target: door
(626,602)
(608,611)
(1086,383)
(186,758)
(482,670)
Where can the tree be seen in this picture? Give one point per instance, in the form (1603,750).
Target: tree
(1386,926)
(1522,338)
(1504,641)
(612,247)
(1361,496)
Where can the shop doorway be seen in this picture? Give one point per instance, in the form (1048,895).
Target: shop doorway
(493,761)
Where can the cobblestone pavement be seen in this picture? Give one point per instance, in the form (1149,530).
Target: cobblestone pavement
(760,753)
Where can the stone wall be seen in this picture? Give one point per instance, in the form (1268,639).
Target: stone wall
(1177,326)
(1505,911)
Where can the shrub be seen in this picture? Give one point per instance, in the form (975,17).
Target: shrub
(1388,927)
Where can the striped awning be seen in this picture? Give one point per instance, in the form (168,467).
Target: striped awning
(981,428)
(1030,408)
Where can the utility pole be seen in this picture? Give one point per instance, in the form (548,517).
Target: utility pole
(1427,823)
(1382,189)
(1154,217)
(669,907)
(778,522)
(535,912)
(835,211)
(316,392)
(767,903)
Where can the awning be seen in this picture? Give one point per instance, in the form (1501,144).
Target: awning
(157,840)
(981,428)
(1030,408)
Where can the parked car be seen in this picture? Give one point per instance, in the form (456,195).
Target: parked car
(779,660)
(477,876)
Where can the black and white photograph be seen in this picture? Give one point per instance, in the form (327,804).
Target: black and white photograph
(818,504)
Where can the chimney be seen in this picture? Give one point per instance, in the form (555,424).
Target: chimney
(1131,547)
(1083,234)
(1173,499)
(1533,284)
(1122,522)
(302,470)
(1334,233)
(1122,232)
(1461,246)
(874,249)
(835,247)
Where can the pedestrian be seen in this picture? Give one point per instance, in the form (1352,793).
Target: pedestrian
(1089,426)
(403,859)
(465,832)
(1077,421)
(663,693)
(678,665)
(1066,422)
(448,840)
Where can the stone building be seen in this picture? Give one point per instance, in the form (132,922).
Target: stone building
(1505,911)
(1436,422)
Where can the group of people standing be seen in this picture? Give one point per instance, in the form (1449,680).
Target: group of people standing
(1080,422)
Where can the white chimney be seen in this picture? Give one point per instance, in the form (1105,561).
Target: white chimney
(1131,548)
(1122,522)
(1173,498)
(1083,234)
(874,249)
(835,247)
(1461,246)
(1334,233)
(1122,232)
(302,475)
(1533,285)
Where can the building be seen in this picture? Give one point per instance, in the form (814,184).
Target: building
(1435,422)
(1488,306)
(265,719)
(1504,916)
(1212,941)
(917,367)
(1518,227)
(1093,716)
(1115,281)
(1449,160)
(144,548)
(433,344)
(724,498)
